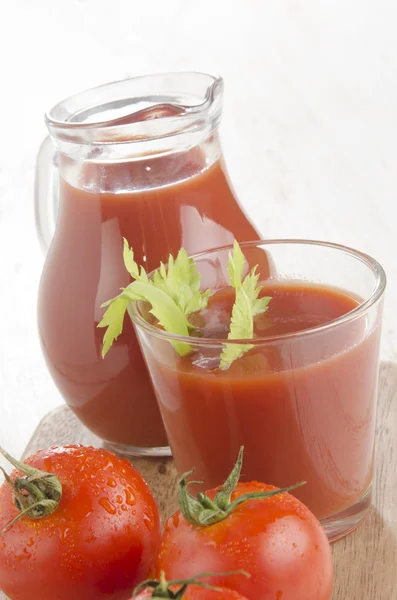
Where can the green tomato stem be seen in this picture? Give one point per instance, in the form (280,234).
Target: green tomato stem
(162,588)
(203,511)
(35,495)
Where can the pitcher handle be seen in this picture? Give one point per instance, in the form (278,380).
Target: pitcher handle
(46,192)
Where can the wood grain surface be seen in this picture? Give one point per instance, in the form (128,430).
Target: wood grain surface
(365,561)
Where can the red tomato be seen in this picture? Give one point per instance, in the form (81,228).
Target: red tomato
(185,589)
(101,540)
(277,540)
(194,592)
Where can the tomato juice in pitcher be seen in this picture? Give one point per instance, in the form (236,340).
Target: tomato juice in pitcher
(138,159)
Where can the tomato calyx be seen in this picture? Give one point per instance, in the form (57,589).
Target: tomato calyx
(36,495)
(162,587)
(202,510)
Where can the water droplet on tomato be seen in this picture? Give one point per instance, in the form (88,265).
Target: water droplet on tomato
(129,496)
(108,506)
(175,519)
(279,595)
(25,554)
(91,538)
(148,522)
(30,542)
(124,508)
(119,500)
(111,482)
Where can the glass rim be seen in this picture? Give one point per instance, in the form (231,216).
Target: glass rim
(352,315)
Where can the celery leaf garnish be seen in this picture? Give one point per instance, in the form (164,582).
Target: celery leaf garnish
(181,282)
(174,293)
(246,306)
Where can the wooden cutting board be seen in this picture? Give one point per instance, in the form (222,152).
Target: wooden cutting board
(365,561)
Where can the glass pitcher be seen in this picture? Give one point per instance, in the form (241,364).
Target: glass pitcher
(140,159)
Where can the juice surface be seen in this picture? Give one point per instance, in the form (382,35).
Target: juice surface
(84,268)
(303,408)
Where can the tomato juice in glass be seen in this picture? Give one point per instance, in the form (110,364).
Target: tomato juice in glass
(302,399)
(139,159)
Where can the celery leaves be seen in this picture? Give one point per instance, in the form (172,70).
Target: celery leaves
(174,293)
(246,306)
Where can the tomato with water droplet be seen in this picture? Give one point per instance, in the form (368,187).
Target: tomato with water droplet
(187,589)
(194,592)
(251,526)
(91,547)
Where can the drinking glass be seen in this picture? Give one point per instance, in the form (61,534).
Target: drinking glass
(301,402)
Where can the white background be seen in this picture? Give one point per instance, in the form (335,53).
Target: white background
(309,132)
